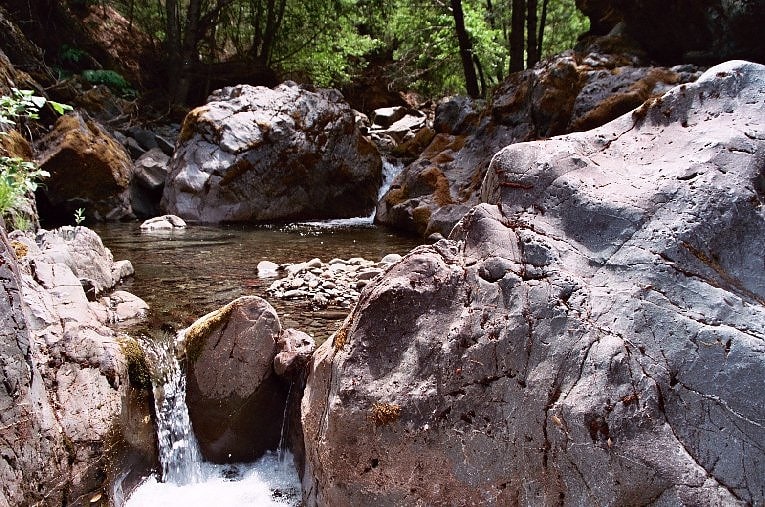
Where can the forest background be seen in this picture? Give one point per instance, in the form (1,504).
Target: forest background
(187,48)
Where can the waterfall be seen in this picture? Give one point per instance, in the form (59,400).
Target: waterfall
(189,481)
(390,169)
(179,451)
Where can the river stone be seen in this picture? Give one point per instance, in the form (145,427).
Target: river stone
(261,154)
(592,334)
(235,400)
(163,223)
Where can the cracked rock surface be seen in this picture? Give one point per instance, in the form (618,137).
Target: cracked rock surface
(592,333)
(64,371)
(259,154)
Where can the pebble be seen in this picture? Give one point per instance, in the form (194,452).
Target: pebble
(337,282)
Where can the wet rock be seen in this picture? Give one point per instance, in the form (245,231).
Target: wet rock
(597,323)
(235,400)
(457,115)
(164,223)
(293,351)
(88,169)
(260,154)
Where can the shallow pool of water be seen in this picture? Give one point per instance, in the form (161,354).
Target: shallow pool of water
(183,275)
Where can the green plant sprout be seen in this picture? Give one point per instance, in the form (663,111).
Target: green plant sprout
(79,216)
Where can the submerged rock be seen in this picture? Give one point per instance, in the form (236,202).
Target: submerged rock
(592,333)
(261,154)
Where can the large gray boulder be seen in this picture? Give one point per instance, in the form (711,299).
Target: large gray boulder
(260,154)
(592,334)
(236,402)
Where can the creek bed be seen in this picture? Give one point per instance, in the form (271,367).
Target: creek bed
(183,275)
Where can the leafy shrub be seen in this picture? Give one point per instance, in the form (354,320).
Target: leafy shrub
(110,78)
(19,177)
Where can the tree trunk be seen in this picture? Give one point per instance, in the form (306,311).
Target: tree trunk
(531,38)
(466,49)
(481,77)
(172,46)
(191,38)
(516,35)
(542,21)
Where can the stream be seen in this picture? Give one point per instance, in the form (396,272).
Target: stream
(183,275)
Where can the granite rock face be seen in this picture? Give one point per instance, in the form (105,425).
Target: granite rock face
(260,154)
(236,402)
(570,92)
(592,333)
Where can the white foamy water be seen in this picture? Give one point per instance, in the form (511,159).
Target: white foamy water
(389,171)
(267,482)
(187,480)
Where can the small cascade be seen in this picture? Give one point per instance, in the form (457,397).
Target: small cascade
(179,451)
(390,169)
(282,450)
(189,481)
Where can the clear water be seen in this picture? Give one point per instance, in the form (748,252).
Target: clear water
(179,452)
(184,275)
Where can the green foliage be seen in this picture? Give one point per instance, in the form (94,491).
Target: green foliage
(110,78)
(325,47)
(564,24)
(20,177)
(70,54)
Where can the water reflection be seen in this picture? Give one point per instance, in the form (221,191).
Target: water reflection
(183,275)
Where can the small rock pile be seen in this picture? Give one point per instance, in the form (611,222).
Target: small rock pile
(337,282)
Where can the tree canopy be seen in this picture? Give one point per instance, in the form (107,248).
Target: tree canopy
(435,47)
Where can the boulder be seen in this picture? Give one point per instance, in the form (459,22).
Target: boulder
(83,252)
(150,171)
(88,169)
(165,223)
(570,92)
(236,402)
(82,370)
(293,351)
(592,333)
(261,154)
